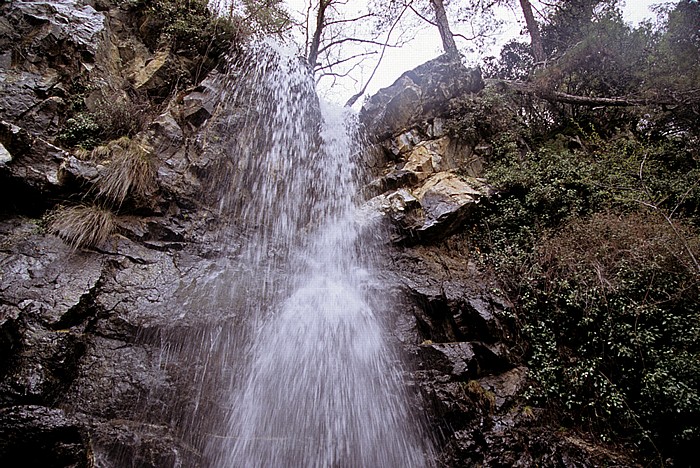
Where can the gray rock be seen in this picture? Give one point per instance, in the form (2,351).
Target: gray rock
(35,162)
(5,156)
(39,436)
(64,20)
(418,95)
(433,210)
(199,105)
(506,386)
(455,359)
(46,278)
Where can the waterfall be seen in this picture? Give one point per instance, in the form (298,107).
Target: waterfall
(321,384)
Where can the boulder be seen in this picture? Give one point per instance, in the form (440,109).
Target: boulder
(418,95)
(433,210)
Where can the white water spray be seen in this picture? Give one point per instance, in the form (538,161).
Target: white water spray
(322,385)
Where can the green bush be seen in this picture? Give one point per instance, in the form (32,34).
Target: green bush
(597,247)
(611,307)
(81,130)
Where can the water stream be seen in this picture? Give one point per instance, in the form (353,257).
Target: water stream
(321,384)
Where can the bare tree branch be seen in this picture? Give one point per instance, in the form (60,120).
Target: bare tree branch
(346,59)
(352,39)
(354,98)
(558,96)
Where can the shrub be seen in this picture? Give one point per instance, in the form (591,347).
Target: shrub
(118,117)
(81,130)
(596,244)
(112,117)
(81,226)
(611,307)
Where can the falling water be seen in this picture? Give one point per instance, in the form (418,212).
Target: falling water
(321,385)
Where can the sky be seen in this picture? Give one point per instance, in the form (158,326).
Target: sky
(427,45)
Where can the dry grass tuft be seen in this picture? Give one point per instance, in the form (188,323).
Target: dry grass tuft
(81,226)
(82,153)
(130,171)
(99,153)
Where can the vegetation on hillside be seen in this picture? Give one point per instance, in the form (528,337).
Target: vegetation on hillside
(595,233)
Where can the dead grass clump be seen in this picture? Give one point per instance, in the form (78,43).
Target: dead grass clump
(81,226)
(129,171)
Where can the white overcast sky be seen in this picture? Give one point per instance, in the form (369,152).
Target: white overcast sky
(427,45)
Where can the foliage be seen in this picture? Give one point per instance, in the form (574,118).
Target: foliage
(111,117)
(81,226)
(514,63)
(595,232)
(612,312)
(118,116)
(585,237)
(189,27)
(81,130)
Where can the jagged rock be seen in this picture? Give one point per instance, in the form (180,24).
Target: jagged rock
(434,209)
(506,386)
(149,71)
(199,105)
(418,95)
(62,21)
(455,359)
(5,156)
(53,38)
(43,365)
(45,277)
(405,142)
(39,436)
(74,171)
(35,162)
(445,199)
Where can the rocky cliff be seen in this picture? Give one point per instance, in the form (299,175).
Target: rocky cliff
(98,334)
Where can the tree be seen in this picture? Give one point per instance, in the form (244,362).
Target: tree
(448,40)
(534,31)
(339,39)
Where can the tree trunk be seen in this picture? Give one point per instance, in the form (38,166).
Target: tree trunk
(448,40)
(534,31)
(316,39)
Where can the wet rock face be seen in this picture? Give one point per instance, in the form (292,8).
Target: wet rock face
(40,436)
(91,338)
(40,44)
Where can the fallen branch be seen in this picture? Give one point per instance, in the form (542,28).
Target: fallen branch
(558,96)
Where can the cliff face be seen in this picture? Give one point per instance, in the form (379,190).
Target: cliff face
(460,328)
(82,328)
(100,361)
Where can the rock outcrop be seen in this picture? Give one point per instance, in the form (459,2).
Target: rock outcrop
(469,361)
(419,95)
